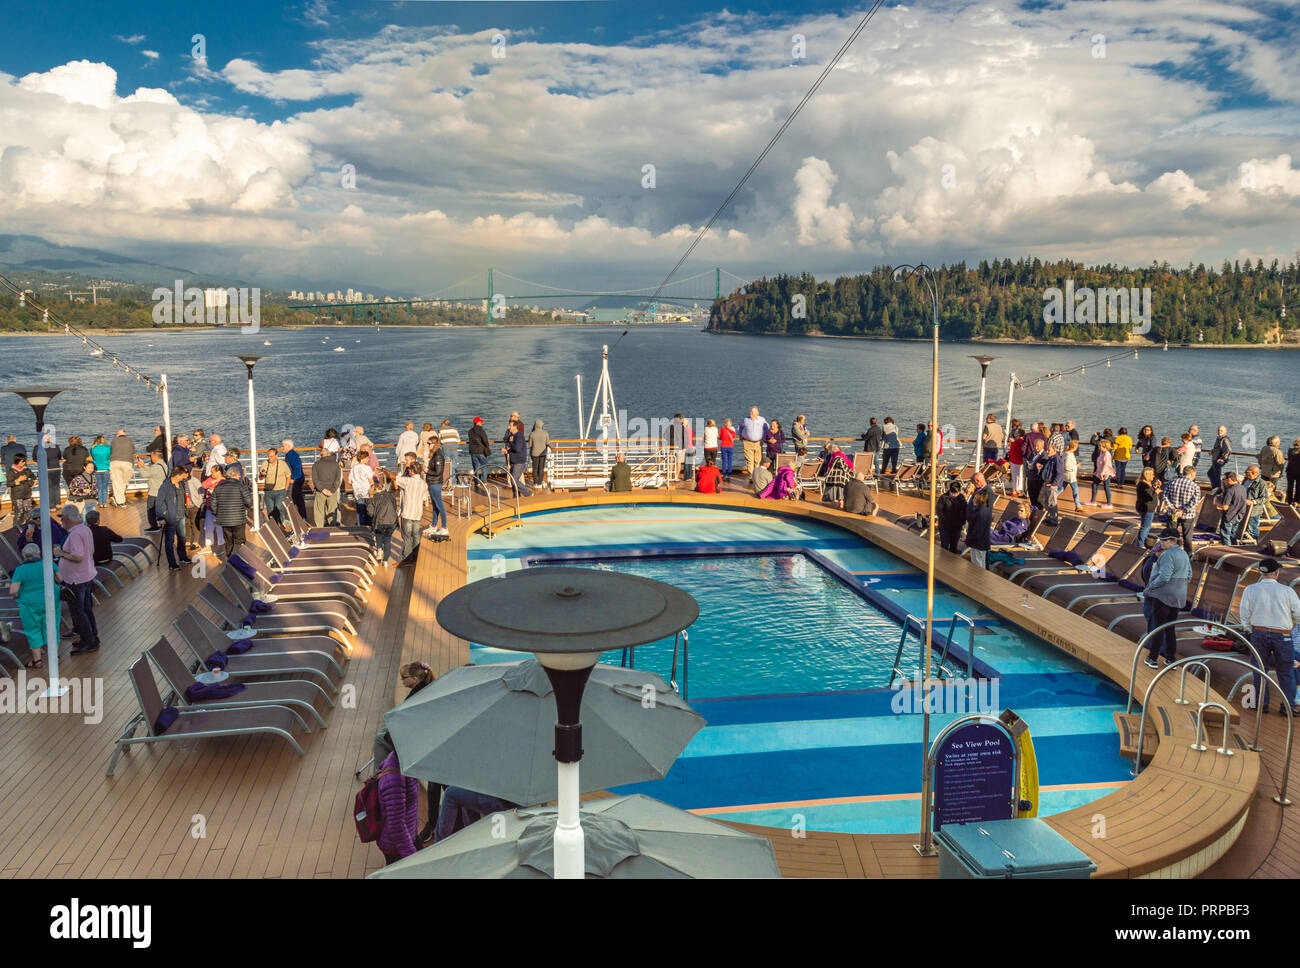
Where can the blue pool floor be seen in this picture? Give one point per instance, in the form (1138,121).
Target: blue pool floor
(842,760)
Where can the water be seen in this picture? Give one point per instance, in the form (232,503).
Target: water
(768,624)
(402,374)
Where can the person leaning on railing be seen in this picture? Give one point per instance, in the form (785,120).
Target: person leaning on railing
(296,476)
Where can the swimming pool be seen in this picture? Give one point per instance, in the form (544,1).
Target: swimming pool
(790,660)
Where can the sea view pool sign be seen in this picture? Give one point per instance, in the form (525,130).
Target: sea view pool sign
(1098,307)
(232,306)
(975,772)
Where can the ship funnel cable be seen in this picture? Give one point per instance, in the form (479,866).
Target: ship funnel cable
(830,66)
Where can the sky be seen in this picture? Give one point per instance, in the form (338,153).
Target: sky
(403,146)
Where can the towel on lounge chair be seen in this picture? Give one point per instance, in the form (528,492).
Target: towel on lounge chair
(783,484)
(165,719)
(243,567)
(202,691)
(217,660)
(250,619)
(262,607)
(1001,556)
(239,647)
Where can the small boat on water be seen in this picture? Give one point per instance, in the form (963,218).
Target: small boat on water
(97,351)
(339,349)
(266,342)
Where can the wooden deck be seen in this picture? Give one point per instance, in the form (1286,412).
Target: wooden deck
(262,811)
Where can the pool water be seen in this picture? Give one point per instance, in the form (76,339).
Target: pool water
(768,624)
(790,660)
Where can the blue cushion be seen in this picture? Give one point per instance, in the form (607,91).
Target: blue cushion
(165,719)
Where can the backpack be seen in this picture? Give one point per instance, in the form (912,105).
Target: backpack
(366,810)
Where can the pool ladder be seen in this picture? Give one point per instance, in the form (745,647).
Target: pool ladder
(944,672)
(681,640)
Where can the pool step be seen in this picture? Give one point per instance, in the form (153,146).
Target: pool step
(1128,725)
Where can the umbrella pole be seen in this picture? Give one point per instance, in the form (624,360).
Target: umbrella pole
(570,848)
(568,684)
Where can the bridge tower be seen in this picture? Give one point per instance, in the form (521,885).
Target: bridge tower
(491,294)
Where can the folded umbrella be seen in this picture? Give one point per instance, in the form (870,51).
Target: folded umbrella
(490,729)
(626,837)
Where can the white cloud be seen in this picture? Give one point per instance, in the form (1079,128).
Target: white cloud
(133,39)
(946,133)
(151,54)
(817,219)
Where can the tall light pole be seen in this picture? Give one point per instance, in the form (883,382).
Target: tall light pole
(927,277)
(248,361)
(38,398)
(167,420)
(984,362)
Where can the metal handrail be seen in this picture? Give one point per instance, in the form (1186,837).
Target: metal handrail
(684,638)
(1132,679)
(1281,797)
(970,648)
(1201,732)
(1182,699)
(908,621)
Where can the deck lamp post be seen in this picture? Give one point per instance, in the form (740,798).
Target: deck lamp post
(38,398)
(249,361)
(566,617)
(984,362)
(927,278)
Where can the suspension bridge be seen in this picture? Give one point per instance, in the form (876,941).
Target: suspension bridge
(493,290)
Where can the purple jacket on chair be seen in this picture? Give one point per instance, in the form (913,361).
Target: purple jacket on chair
(399,799)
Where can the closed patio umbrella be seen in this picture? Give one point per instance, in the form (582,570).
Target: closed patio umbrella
(490,729)
(626,837)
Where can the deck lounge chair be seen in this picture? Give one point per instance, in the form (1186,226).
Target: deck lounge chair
(319,656)
(1239,558)
(319,615)
(1127,619)
(299,587)
(1056,559)
(264,563)
(1067,590)
(193,724)
(807,478)
(316,557)
(298,694)
(232,617)
(333,537)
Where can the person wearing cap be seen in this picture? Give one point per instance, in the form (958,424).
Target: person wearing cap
(480,448)
(1166,596)
(1270,611)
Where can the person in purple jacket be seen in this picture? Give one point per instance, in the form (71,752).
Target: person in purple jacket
(399,799)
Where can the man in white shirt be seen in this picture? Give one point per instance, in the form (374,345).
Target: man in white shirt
(362,478)
(407,443)
(217,454)
(1270,611)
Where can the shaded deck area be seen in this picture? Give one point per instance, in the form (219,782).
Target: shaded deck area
(249,807)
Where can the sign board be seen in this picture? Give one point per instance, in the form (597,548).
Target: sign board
(975,776)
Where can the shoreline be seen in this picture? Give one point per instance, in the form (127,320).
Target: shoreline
(1007,341)
(296,328)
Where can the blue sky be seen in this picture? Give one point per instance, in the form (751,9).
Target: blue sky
(1105,130)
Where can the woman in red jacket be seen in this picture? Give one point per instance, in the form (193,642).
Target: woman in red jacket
(399,799)
(727,444)
(707,479)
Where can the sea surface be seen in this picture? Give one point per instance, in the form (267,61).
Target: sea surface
(385,378)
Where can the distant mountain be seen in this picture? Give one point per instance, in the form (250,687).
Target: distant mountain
(30,253)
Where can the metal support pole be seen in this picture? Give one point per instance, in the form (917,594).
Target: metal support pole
(491,295)
(1011,396)
(717,283)
(167,418)
(55,688)
(252,449)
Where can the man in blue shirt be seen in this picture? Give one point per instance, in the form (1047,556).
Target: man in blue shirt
(295,475)
(752,431)
(1232,502)
(1165,596)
